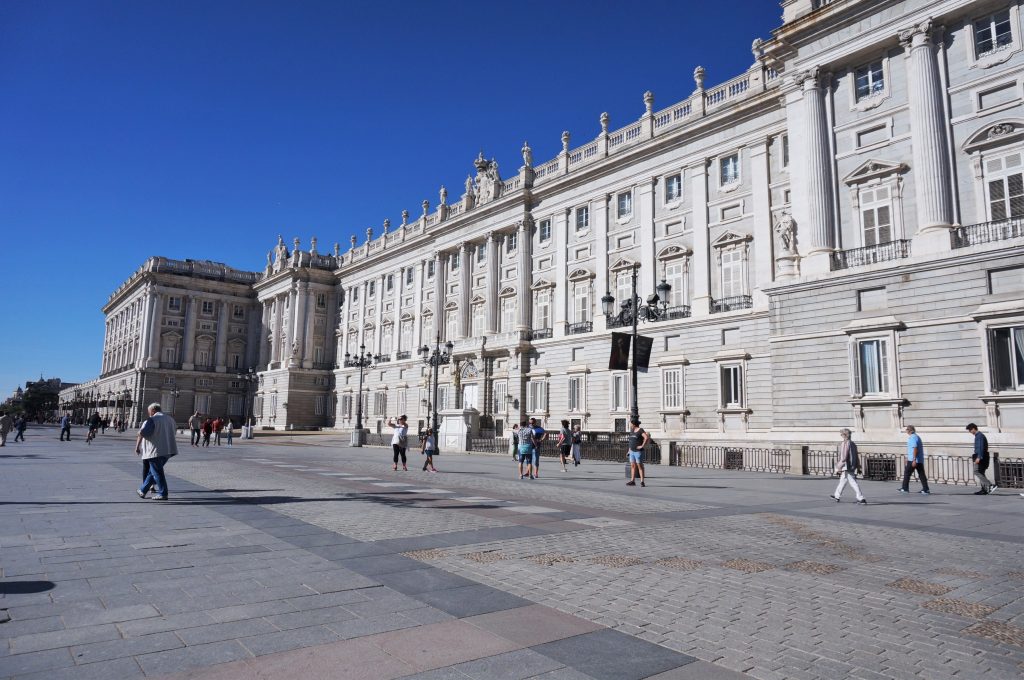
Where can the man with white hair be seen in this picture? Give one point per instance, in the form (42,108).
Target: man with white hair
(847,465)
(155,443)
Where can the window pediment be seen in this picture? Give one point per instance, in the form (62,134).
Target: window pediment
(580,274)
(450,305)
(507,291)
(672,252)
(1000,134)
(406,316)
(874,169)
(541,284)
(731,238)
(368,326)
(624,263)
(477,300)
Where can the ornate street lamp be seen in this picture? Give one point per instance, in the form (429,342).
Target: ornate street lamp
(362,361)
(251,380)
(631,312)
(435,360)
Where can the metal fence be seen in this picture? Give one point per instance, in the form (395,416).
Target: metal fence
(730,458)
(607,446)
(940,469)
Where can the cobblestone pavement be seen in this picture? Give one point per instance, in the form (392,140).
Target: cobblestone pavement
(289,556)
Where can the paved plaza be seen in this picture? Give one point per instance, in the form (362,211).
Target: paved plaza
(296,556)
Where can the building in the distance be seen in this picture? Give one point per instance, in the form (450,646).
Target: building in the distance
(840,227)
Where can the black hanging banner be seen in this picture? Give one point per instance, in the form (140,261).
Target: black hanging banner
(644,345)
(619,360)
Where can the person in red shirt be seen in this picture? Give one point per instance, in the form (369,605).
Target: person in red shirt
(207,431)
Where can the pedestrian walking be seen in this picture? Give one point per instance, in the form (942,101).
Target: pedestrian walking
(539,436)
(65,427)
(6,425)
(847,465)
(577,445)
(155,443)
(915,462)
(513,447)
(207,431)
(218,425)
(94,425)
(230,430)
(527,449)
(19,427)
(981,460)
(427,449)
(399,440)
(564,444)
(195,423)
(638,439)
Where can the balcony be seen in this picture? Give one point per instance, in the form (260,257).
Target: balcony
(986,232)
(540,334)
(581,327)
(323,365)
(677,312)
(383,359)
(859,257)
(731,304)
(170,364)
(404,354)
(208,368)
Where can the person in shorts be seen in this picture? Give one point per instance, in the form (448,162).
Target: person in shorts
(564,444)
(539,435)
(638,438)
(427,448)
(527,449)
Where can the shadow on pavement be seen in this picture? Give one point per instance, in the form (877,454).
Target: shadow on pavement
(25,587)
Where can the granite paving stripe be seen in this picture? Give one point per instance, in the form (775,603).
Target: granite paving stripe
(515,665)
(423,580)
(34,642)
(284,640)
(472,600)
(432,647)
(121,669)
(381,564)
(610,655)
(197,656)
(116,649)
(49,659)
(231,630)
(114,615)
(533,624)
(309,617)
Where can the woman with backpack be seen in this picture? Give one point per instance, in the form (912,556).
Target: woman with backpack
(399,440)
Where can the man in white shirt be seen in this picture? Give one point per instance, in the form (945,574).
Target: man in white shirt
(155,443)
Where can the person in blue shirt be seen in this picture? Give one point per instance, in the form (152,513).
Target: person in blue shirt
(539,435)
(981,459)
(915,462)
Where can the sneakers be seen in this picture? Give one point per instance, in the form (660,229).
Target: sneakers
(981,493)
(630,483)
(433,469)
(925,492)
(902,490)
(835,498)
(141,495)
(159,498)
(395,466)
(642,484)
(862,501)
(993,488)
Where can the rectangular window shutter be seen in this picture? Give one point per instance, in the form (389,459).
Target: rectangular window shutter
(883,364)
(855,381)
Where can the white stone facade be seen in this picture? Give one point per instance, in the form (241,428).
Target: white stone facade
(842,226)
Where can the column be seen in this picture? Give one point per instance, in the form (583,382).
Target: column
(819,234)
(364,287)
(253,344)
(417,303)
(600,245)
(188,341)
(465,289)
(764,243)
(378,316)
(524,276)
(396,326)
(440,257)
(222,337)
(700,304)
(265,332)
(307,301)
(493,272)
(341,333)
(560,316)
(927,128)
(296,309)
(155,327)
(648,275)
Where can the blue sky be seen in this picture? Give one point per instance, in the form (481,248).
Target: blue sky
(203,129)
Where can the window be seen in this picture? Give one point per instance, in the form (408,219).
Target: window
(624,204)
(380,403)
(876,215)
(238,312)
(992,33)
(673,188)
(729,169)
(409,273)
(675,277)
(576,394)
(170,354)
(508,314)
(346,406)
(442,397)
(478,320)
(623,287)
(235,360)
(389,282)
(544,231)
(355,294)
(203,358)
(202,403)
(174,303)
(498,393)
(405,335)
(536,394)
(207,306)
(273,405)
(732,273)
(582,218)
(581,307)
(542,309)
(427,331)
(620,392)
(1005,186)
(455,261)
(318,405)
(235,404)
(430,269)
(871,366)
(511,242)
(732,385)
(386,341)
(671,388)
(371,289)
(451,325)
(481,253)
(785,152)
(1007,355)
(869,80)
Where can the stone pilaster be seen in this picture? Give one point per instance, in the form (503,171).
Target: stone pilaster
(222,336)
(265,331)
(465,289)
(419,280)
(493,272)
(763,235)
(440,258)
(599,220)
(560,293)
(378,316)
(700,304)
(819,234)
(931,170)
(524,272)
(648,277)
(189,339)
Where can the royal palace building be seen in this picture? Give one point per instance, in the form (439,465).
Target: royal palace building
(840,228)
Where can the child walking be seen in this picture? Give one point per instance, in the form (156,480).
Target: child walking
(427,449)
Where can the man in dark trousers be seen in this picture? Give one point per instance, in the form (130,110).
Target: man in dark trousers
(981,459)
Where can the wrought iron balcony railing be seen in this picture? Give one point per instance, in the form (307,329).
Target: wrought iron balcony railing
(404,354)
(859,257)
(677,312)
(540,334)
(730,304)
(987,232)
(581,327)
(170,364)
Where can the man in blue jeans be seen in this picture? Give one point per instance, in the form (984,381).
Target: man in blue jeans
(915,461)
(155,443)
(539,435)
